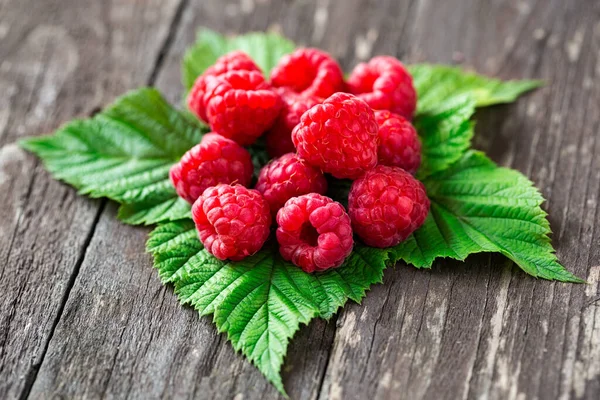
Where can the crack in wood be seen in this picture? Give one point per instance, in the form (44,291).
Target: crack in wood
(35,368)
(319,387)
(168,42)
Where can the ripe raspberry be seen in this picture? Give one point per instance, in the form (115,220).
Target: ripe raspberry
(386,205)
(215,160)
(233,222)
(234,61)
(287,177)
(399,143)
(338,136)
(310,72)
(385,84)
(240,105)
(279,137)
(314,232)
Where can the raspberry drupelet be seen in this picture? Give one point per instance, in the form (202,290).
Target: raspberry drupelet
(233,222)
(279,137)
(385,84)
(234,61)
(240,105)
(339,136)
(314,232)
(386,205)
(286,177)
(310,72)
(215,160)
(399,143)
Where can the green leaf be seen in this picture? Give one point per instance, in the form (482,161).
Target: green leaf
(259,154)
(265,49)
(173,245)
(338,189)
(124,153)
(162,206)
(436,83)
(445,133)
(261,301)
(477,206)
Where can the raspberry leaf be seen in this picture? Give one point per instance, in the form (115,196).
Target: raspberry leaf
(445,133)
(259,154)
(437,83)
(264,48)
(161,206)
(124,153)
(338,189)
(261,301)
(476,207)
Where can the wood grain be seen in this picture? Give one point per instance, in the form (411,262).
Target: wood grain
(484,329)
(64,60)
(480,329)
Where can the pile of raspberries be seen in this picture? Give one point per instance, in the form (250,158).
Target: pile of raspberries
(315,123)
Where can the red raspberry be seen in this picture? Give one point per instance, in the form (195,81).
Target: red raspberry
(338,136)
(385,84)
(233,222)
(310,72)
(234,61)
(240,105)
(279,137)
(314,232)
(399,143)
(386,205)
(215,160)
(287,177)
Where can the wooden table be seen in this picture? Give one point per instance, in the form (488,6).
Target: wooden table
(83,314)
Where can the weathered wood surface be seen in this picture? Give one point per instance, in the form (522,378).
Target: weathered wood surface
(83,314)
(58,60)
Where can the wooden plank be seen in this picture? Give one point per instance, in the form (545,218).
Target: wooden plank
(484,329)
(58,59)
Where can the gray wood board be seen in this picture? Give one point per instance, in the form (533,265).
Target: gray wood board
(480,329)
(58,60)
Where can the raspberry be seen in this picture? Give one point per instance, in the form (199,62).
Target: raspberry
(233,222)
(240,105)
(385,84)
(279,137)
(386,205)
(314,232)
(399,143)
(310,72)
(234,61)
(215,160)
(287,177)
(339,136)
